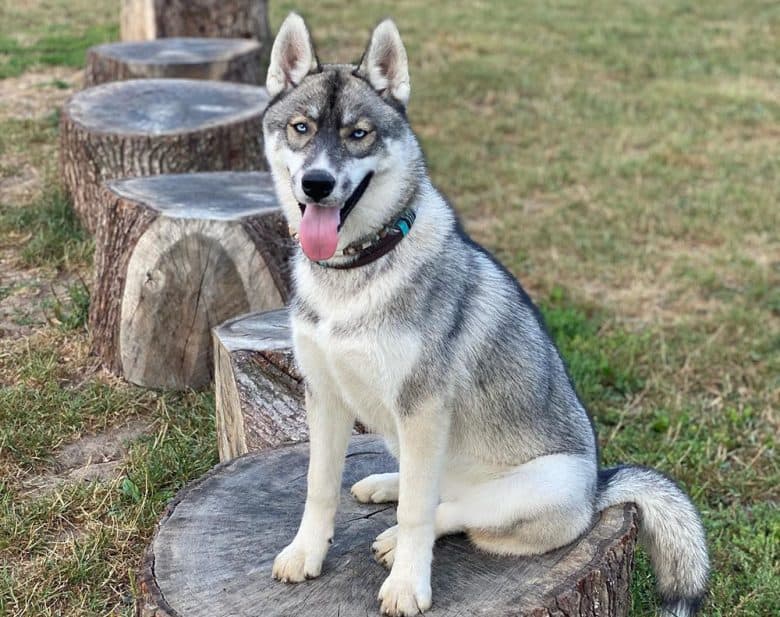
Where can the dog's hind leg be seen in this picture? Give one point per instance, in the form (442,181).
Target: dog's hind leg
(376,488)
(527,510)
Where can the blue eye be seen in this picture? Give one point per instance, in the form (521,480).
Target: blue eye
(301,127)
(358,134)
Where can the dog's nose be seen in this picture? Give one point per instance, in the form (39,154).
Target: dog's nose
(317,183)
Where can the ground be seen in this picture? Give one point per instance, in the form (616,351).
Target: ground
(622,158)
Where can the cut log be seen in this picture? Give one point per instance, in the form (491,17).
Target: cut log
(146,127)
(238,60)
(143,20)
(214,547)
(259,392)
(176,255)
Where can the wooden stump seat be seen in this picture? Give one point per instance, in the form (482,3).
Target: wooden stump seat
(145,127)
(238,60)
(212,553)
(176,255)
(259,392)
(141,20)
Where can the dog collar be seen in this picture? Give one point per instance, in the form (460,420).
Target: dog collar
(375,246)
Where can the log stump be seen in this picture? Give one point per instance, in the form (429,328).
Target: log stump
(143,20)
(259,392)
(176,255)
(146,127)
(212,553)
(238,60)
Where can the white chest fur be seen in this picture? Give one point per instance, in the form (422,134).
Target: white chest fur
(363,370)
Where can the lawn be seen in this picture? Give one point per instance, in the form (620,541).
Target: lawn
(621,157)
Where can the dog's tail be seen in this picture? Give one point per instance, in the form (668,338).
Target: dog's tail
(670,530)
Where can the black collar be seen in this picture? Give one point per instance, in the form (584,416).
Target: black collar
(372,248)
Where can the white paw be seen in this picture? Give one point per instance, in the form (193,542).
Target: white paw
(403,597)
(384,546)
(296,563)
(378,488)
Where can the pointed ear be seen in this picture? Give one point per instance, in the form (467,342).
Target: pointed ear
(292,56)
(384,63)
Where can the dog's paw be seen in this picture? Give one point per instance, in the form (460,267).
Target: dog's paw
(403,597)
(296,563)
(383,547)
(378,488)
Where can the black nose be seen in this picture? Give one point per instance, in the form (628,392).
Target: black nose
(317,183)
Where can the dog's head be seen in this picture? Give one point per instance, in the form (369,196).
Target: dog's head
(340,149)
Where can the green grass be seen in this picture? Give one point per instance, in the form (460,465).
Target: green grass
(620,157)
(54,238)
(39,33)
(57,47)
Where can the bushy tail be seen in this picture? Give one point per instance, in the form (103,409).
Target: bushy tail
(670,530)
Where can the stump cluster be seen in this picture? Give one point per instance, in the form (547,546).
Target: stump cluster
(151,126)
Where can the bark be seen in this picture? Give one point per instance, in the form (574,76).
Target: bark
(213,550)
(259,392)
(237,60)
(148,127)
(175,255)
(143,20)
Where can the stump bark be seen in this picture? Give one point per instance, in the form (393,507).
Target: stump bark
(259,392)
(146,127)
(214,547)
(142,20)
(237,60)
(176,255)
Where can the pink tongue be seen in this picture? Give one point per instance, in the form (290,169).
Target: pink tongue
(319,232)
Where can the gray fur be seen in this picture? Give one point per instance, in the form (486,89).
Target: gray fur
(507,397)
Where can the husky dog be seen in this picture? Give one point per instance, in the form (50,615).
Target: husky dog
(401,321)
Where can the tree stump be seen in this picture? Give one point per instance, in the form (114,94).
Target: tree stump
(214,547)
(143,20)
(175,255)
(259,392)
(238,60)
(146,127)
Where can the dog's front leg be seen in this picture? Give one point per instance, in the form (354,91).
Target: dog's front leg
(422,436)
(330,427)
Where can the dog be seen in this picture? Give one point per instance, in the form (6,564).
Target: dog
(404,323)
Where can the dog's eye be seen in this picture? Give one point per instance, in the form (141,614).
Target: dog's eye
(358,134)
(301,127)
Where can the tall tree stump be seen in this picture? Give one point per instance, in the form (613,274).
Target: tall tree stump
(238,60)
(143,20)
(214,547)
(176,255)
(259,391)
(146,127)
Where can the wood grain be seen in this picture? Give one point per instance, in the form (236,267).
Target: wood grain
(213,550)
(177,255)
(142,20)
(146,127)
(237,60)
(259,391)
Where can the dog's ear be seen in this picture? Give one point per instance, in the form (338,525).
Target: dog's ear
(384,63)
(292,56)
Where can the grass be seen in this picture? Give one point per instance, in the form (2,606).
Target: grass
(53,237)
(620,157)
(38,34)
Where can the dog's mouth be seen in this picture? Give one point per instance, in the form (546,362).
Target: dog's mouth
(320,225)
